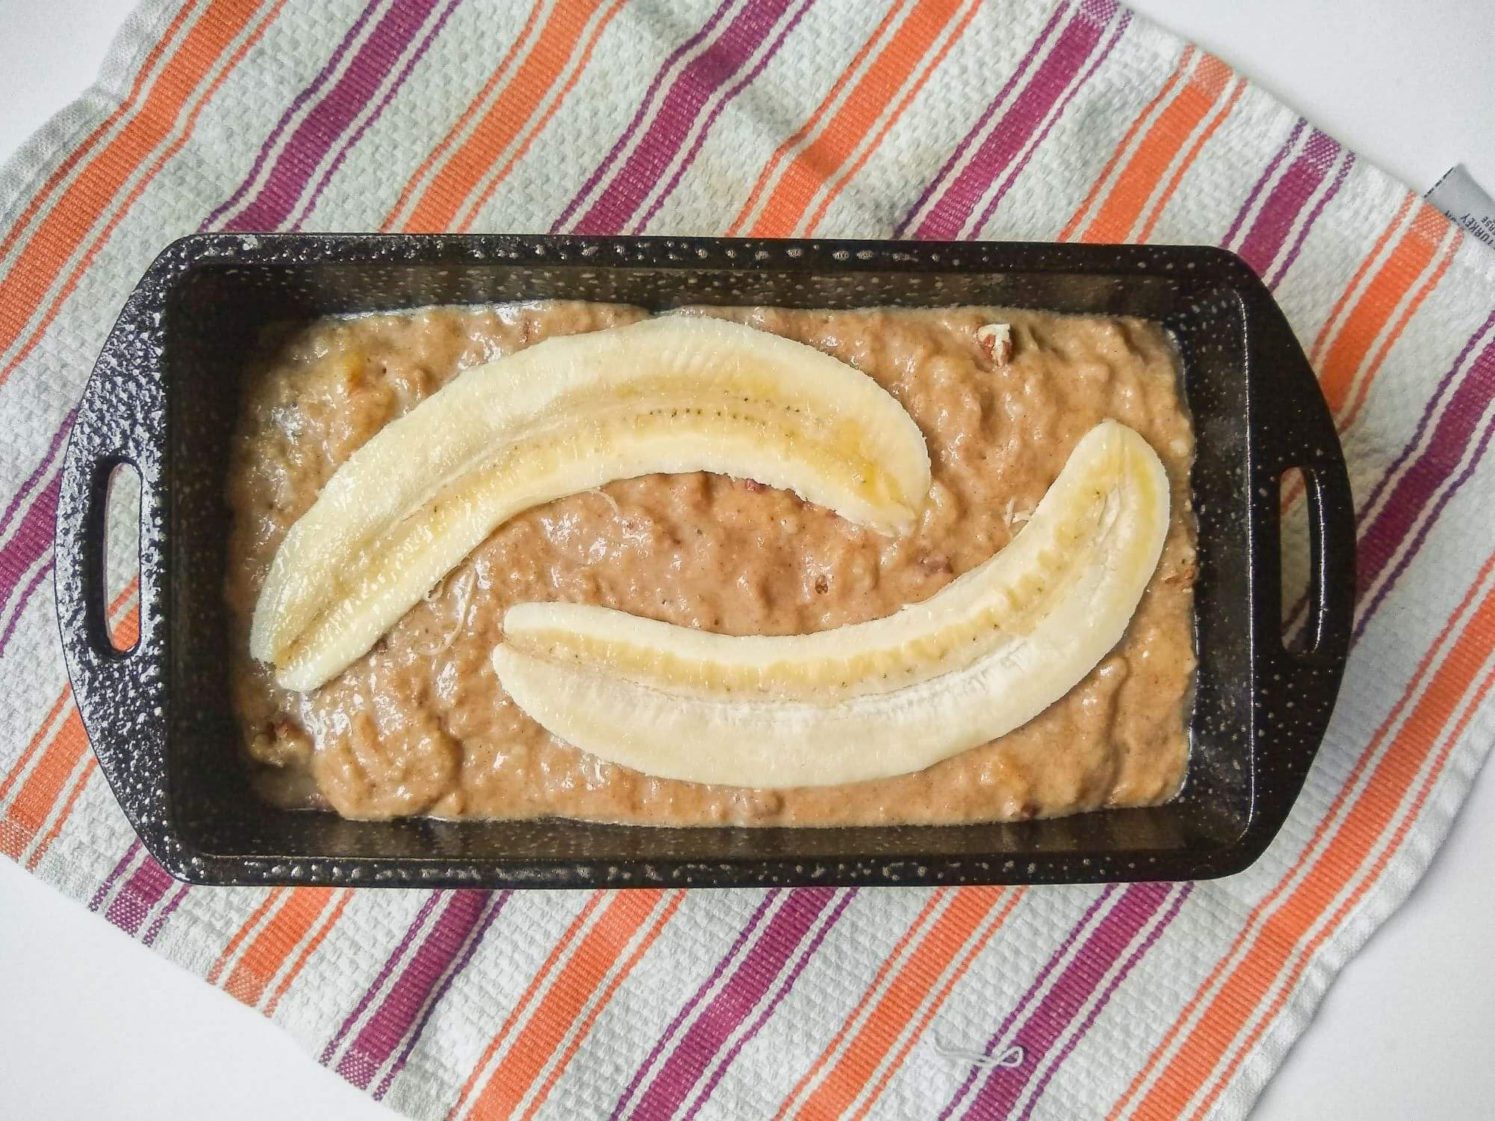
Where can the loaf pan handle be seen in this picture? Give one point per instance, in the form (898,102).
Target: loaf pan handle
(1298,432)
(1291,427)
(1331,544)
(90,558)
(120,694)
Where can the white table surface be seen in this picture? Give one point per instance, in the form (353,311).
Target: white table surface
(90,1019)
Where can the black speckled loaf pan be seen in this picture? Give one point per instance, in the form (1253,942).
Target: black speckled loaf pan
(162,398)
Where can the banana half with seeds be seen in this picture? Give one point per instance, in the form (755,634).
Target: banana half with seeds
(672,394)
(981,657)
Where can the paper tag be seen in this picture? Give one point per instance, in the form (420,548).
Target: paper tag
(1465,201)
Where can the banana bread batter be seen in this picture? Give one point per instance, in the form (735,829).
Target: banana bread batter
(420,725)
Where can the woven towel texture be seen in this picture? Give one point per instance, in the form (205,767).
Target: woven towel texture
(915,118)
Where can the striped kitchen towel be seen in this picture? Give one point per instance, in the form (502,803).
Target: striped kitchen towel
(916,118)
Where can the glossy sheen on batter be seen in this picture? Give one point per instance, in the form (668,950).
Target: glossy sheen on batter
(420,724)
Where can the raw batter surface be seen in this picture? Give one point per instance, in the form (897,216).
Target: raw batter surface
(420,725)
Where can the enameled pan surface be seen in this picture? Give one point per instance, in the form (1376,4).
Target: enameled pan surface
(162,398)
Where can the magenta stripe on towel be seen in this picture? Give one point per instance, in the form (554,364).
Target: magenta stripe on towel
(694,1002)
(1039,981)
(421,982)
(1453,379)
(1103,948)
(1017,75)
(129,858)
(995,198)
(745,990)
(769,1008)
(742,83)
(49,457)
(495,904)
(1014,127)
(139,896)
(1180,893)
(330,118)
(32,537)
(394,87)
(1428,479)
(297,103)
(149,937)
(616,151)
(1263,241)
(680,108)
(385,971)
(1341,173)
(1229,240)
(21,600)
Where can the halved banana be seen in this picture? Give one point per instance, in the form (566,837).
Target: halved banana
(673,394)
(981,657)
